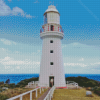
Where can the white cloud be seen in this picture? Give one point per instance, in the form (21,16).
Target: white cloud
(75,43)
(97,63)
(4,9)
(36,1)
(75,64)
(7,42)
(7,61)
(29,16)
(18,67)
(82,59)
(16,11)
(7,67)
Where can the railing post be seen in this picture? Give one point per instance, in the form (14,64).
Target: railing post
(30,95)
(67,84)
(21,98)
(36,93)
(46,86)
(48,27)
(35,85)
(40,90)
(49,96)
(53,28)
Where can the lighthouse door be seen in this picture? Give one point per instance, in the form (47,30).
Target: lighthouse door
(51,81)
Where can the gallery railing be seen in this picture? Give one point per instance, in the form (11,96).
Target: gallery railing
(59,30)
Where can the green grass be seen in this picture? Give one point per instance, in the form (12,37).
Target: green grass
(73,94)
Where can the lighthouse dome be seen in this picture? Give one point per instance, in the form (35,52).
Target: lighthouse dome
(51,8)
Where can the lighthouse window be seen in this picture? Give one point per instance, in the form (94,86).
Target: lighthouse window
(51,27)
(51,41)
(51,51)
(51,63)
(45,18)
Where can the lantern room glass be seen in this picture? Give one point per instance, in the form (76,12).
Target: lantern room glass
(45,18)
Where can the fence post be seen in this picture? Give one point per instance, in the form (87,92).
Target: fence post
(36,93)
(21,98)
(30,95)
(67,84)
(35,84)
(46,86)
(43,88)
(49,96)
(40,90)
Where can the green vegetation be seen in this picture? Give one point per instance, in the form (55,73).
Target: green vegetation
(96,90)
(21,84)
(83,81)
(73,94)
(25,82)
(3,97)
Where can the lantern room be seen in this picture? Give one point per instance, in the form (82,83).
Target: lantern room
(51,15)
(51,20)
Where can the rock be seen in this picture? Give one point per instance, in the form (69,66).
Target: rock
(88,93)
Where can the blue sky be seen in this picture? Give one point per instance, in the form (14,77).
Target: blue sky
(20,43)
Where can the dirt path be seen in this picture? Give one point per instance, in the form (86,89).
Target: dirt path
(44,95)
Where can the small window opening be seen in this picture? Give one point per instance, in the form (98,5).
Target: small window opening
(51,41)
(52,27)
(51,63)
(51,51)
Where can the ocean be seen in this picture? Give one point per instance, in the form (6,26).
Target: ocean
(15,78)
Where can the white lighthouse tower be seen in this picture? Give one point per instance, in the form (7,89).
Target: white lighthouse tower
(51,66)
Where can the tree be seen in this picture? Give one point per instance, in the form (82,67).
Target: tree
(7,81)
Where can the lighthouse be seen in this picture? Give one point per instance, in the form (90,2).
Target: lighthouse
(51,65)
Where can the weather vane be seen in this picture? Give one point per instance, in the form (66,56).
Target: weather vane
(52,3)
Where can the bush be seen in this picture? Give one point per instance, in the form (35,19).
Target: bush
(1,83)
(3,97)
(7,81)
(25,82)
(83,81)
(96,90)
(12,85)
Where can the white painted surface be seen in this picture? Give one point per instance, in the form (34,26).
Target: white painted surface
(56,70)
(51,8)
(53,17)
(21,95)
(88,93)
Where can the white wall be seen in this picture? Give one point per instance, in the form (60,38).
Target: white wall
(53,17)
(56,70)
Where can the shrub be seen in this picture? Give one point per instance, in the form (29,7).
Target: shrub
(1,83)
(12,85)
(7,81)
(3,97)
(83,81)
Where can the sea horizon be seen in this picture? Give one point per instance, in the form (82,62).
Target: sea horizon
(16,78)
